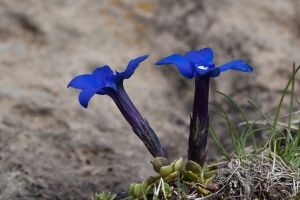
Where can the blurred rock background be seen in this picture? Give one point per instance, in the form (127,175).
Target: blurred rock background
(52,148)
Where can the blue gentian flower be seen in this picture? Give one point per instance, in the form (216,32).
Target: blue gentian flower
(103,81)
(196,63)
(199,64)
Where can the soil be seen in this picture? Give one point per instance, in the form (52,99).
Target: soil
(52,148)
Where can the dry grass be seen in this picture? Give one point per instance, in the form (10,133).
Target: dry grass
(265,176)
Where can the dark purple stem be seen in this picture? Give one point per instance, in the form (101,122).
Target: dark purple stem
(199,121)
(139,125)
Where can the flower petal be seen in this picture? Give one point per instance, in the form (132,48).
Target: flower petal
(238,65)
(183,66)
(102,72)
(85,96)
(200,57)
(132,65)
(84,82)
(215,72)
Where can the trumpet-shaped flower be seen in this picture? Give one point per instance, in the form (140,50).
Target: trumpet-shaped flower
(104,82)
(199,64)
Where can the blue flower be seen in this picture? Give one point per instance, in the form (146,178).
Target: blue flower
(199,64)
(196,63)
(103,81)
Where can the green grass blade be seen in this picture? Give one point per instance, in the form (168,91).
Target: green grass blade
(288,137)
(244,116)
(217,140)
(235,137)
(291,100)
(143,192)
(272,139)
(261,113)
(178,186)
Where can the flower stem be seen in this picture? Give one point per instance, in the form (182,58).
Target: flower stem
(139,125)
(199,121)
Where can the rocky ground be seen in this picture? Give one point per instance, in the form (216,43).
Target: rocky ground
(52,148)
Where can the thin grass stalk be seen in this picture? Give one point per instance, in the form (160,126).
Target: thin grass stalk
(244,116)
(297,102)
(288,150)
(143,192)
(291,100)
(217,140)
(261,113)
(290,110)
(230,126)
(178,186)
(235,138)
(294,150)
(259,130)
(272,139)
(155,197)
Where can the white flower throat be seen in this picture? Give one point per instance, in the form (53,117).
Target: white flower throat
(202,67)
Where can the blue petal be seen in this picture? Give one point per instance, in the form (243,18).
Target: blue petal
(85,96)
(132,65)
(183,66)
(102,72)
(238,65)
(200,57)
(215,72)
(84,81)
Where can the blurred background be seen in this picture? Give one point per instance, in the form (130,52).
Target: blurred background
(52,148)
